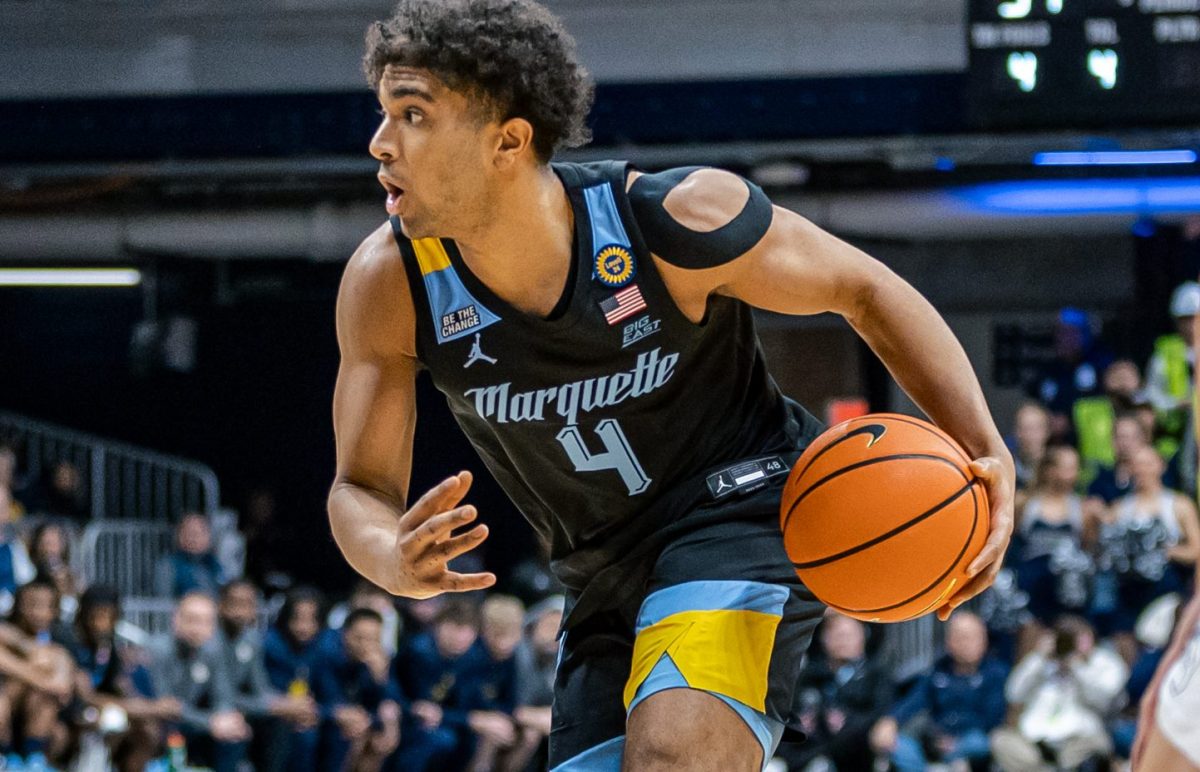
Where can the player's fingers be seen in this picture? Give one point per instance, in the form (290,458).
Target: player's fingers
(968,591)
(435,528)
(453,582)
(453,547)
(451,497)
(428,505)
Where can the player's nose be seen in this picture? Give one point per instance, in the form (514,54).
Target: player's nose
(383,146)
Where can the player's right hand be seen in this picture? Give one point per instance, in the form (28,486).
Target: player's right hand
(424,544)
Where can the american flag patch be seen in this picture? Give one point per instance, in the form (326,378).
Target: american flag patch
(625,303)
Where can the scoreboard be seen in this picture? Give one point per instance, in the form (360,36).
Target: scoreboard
(1083,63)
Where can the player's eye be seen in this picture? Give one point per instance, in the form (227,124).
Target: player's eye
(413,116)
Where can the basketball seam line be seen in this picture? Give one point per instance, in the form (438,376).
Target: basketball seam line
(859,465)
(885,536)
(935,582)
(903,419)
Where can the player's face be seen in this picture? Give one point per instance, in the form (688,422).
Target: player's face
(433,146)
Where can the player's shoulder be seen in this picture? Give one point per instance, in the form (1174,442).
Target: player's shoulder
(377,260)
(699,216)
(374,300)
(702,198)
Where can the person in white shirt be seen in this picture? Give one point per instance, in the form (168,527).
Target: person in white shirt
(1065,687)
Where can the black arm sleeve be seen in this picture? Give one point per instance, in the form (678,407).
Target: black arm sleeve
(684,247)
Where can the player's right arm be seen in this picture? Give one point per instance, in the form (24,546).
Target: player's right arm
(404,551)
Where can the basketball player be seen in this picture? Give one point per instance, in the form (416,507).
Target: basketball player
(1168,733)
(591,328)
(1168,736)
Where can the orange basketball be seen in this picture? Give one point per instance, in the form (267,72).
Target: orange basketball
(881,517)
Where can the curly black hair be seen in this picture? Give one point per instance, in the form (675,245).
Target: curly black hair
(514,53)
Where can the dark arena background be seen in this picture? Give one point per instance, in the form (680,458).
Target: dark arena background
(182,183)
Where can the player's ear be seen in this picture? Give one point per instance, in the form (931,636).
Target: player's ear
(515,138)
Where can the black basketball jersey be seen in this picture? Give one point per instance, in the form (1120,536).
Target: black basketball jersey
(608,420)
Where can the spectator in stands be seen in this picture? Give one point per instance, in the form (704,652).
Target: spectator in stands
(360,701)
(1047,552)
(192,567)
(1079,359)
(291,650)
(1115,480)
(39,675)
(16,568)
(265,540)
(961,700)
(185,665)
(536,656)
(367,595)
(50,553)
(270,713)
(1169,371)
(417,615)
(1150,540)
(844,694)
(1124,728)
(1065,689)
(1093,417)
(430,671)
(492,682)
(65,493)
(1030,435)
(111,680)
(11,507)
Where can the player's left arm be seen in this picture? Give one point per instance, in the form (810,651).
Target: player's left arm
(795,267)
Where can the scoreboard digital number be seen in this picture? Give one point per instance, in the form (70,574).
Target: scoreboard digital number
(1083,63)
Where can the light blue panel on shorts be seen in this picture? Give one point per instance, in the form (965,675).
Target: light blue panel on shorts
(605,757)
(712,596)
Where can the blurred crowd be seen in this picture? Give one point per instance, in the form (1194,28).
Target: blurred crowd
(1047,672)
(1044,672)
(278,680)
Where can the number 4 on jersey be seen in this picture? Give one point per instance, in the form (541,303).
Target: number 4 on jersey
(616,455)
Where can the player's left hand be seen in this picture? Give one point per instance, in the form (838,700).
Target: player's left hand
(1000,479)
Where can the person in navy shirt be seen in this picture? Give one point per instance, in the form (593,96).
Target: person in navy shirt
(110,677)
(290,652)
(192,566)
(435,672)
(360,702)
(962,699)
(491,687)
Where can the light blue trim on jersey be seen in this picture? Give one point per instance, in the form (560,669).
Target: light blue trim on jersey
(605,757)
(607,227)
(666,676)
(712,595)
(447,298)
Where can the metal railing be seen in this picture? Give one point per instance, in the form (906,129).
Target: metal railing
(120,481)
(123,554)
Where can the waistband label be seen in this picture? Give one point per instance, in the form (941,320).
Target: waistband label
(745,476)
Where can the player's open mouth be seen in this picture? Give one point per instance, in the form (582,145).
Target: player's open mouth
(394,194)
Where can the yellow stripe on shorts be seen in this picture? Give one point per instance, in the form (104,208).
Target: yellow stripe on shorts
(723,651)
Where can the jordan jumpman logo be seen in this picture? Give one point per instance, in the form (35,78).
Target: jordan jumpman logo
(477,354)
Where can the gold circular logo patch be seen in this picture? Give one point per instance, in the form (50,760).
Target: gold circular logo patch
(614,266)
